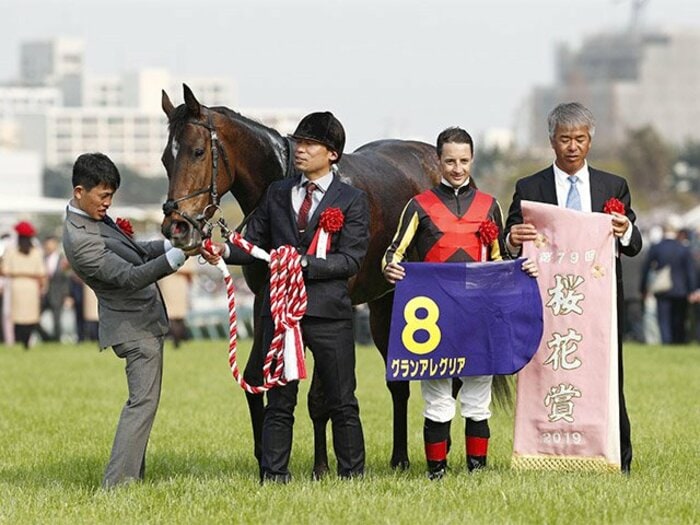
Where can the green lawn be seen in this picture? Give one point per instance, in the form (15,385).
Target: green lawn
(59,407)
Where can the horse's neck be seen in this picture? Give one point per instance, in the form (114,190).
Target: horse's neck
(262,157)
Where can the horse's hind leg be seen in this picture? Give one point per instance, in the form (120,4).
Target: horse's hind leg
(380,317)
(400,392)
(319,416)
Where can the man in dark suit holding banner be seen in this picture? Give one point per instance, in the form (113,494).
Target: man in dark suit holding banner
(571,183)
(452,222)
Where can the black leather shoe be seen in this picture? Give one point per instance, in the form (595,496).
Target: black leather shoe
(352,475)
(476,463)
(282,479)
(435,475)
(437,470)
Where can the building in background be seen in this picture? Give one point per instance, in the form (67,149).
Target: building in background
(628,80)
(129,136)
(22,187)
(58,111)
(20,174)
(20,100)
(103,91)
(142,89)
(56,62)
(16,100)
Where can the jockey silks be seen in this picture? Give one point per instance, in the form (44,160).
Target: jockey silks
(448,221)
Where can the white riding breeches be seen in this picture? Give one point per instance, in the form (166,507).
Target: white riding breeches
(474,398)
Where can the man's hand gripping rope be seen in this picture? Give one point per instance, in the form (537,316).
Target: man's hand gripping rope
(284,360)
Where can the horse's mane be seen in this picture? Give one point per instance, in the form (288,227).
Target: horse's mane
(180,117)
(261,137)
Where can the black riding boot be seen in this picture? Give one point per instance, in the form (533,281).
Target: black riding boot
(436,436)
(477,435)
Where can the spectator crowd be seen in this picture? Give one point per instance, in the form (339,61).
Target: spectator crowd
(41,299)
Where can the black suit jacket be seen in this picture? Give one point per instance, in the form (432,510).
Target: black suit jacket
(273,224)
(540,187)
(671,252)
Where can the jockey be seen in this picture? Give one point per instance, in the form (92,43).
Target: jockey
(440,225)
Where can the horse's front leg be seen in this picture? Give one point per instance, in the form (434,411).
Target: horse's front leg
(379,318)
(319,416)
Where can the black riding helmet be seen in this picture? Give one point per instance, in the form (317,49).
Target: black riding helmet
(324,128)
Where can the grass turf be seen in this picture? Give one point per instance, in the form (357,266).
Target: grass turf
(59,407)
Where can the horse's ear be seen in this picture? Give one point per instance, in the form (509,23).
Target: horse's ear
(167,106)
(191,102)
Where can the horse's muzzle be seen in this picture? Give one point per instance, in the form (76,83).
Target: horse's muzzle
(181,234)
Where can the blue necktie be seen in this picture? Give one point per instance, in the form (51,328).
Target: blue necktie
(573,199)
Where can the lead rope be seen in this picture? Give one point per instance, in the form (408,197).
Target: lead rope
(288,303)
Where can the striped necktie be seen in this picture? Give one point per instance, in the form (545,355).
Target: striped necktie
(303,218)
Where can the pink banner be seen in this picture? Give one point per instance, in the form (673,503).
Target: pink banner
(566,414)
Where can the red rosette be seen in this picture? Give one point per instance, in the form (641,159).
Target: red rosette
(614,205)
(488,232)
(125,226)
(331,220)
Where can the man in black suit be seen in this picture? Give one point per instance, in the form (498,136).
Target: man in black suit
(288,214)
(571,183)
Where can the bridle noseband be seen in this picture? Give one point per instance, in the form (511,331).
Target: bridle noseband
(200,222)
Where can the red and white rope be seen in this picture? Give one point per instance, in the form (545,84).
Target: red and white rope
(284,360)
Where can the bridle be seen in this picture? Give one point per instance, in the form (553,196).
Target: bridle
(200,222)
(203,225)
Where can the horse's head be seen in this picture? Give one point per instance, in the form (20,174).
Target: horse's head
(197,168)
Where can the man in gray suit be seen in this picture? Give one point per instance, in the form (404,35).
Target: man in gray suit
(133,319)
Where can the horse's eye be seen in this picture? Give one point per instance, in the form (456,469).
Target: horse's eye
(198,152)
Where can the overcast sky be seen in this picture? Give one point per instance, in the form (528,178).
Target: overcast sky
(384,67)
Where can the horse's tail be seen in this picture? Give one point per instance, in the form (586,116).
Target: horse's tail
(502,390)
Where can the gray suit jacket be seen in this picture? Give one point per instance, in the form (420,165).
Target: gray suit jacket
(122,273)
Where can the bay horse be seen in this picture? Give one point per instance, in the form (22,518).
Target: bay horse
(213,151)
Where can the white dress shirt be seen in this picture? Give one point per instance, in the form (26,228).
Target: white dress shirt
(299,193)
(583,185)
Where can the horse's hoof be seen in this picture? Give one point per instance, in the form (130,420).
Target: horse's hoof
(400,464)
(319,472)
